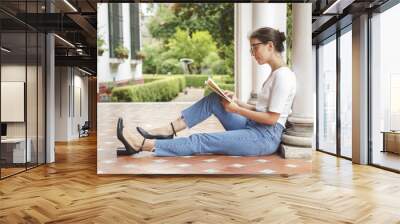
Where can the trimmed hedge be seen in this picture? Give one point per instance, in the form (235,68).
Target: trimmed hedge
(192,80)
(161,90)
(152,78)
(196,80)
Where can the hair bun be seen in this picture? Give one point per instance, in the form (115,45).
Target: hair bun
(282,36)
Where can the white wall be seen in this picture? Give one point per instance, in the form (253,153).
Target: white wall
(128,69)
(33,126)
(61,103)
(14,72)
(70,83)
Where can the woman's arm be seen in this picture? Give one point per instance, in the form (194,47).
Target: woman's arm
(269,118)
(231,95)
(246,105)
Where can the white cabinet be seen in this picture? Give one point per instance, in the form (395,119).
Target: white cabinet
(18,149)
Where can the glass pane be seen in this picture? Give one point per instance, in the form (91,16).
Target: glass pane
(327,97)
(386,89)
(13,80)
(41,99)
(346,94)
(31,98)
(115,26)
(135,36)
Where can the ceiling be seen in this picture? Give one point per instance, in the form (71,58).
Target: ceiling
(74,22)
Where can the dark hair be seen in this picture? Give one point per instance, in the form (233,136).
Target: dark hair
(265,34)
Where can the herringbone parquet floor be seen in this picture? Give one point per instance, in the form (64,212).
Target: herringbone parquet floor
(69,191)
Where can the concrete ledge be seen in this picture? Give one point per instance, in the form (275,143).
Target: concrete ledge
(297,140)
(293,152)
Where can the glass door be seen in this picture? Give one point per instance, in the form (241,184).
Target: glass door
(327,96)
(385,89)
(346,93)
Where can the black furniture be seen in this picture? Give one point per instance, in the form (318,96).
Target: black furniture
(84,130)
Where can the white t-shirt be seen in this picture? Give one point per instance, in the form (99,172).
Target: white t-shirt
(277,94)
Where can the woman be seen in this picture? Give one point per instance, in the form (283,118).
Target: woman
(250,130)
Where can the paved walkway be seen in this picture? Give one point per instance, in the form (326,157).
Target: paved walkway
(150,115)
(193,94)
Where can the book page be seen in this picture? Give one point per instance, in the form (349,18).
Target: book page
(215,88)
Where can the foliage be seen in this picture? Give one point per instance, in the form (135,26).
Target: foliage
(153,78)
(140,55)
(100,43)
(196,47)
(163,24)
(218,19)
(153,59)
(200,47)
(121,52)
(190,30)
(157,91)
(196,80)
(170,66)
(213,64)
(164,87)
(229,55)
(192,80)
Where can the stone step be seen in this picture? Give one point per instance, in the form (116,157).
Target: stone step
(293,152)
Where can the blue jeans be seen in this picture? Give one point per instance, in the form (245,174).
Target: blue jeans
(243,137)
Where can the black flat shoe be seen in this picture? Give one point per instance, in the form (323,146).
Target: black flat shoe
(128,150)
(147,135)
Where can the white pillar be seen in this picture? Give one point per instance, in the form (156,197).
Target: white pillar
(303,107)
(360,90)
(243,60)
(266,15)
(50,99)
(298,138)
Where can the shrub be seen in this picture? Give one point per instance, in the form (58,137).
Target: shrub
(196,80)
(151,78)
(157,91)
(197,46)
(229,58)
(219,67)
(172,66)
(152,53)
(228,79)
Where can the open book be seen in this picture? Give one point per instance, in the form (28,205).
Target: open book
(214,87)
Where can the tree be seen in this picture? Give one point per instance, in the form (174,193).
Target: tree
(218,19)
(163,25)
(192,18)
(196,47)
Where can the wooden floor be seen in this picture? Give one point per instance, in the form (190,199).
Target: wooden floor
(69,191)
(386,159)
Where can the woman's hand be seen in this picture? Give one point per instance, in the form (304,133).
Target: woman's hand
(230,107)
(231,95)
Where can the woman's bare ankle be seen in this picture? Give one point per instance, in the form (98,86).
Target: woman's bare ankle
(179,124)
(161,131)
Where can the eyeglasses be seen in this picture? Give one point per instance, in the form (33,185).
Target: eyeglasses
(252,47)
